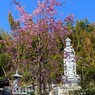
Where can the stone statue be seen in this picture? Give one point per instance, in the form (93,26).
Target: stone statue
(70,77)
(69,59)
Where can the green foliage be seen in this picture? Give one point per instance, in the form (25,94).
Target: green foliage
(84,25)
(13,24)
(4,58)
(83,39)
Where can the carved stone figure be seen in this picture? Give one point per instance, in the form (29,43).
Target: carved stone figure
(70,77)
(69,59)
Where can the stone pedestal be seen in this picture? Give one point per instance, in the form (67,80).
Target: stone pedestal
(71,82)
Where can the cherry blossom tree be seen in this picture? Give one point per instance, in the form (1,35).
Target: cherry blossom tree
(38,45)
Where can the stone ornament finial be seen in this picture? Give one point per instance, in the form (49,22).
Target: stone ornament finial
(17,74)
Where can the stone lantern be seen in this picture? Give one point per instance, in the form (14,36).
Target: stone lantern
(16,77)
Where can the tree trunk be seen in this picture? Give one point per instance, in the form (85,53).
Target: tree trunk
(44,88)
(40,81)
(49,81)
(4,71)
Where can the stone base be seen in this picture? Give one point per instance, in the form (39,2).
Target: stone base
(63,91)
(71,86)
(71,82)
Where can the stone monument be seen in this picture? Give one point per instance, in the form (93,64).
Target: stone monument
(70,78)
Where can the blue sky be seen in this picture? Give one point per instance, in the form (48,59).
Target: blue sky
(80,8)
